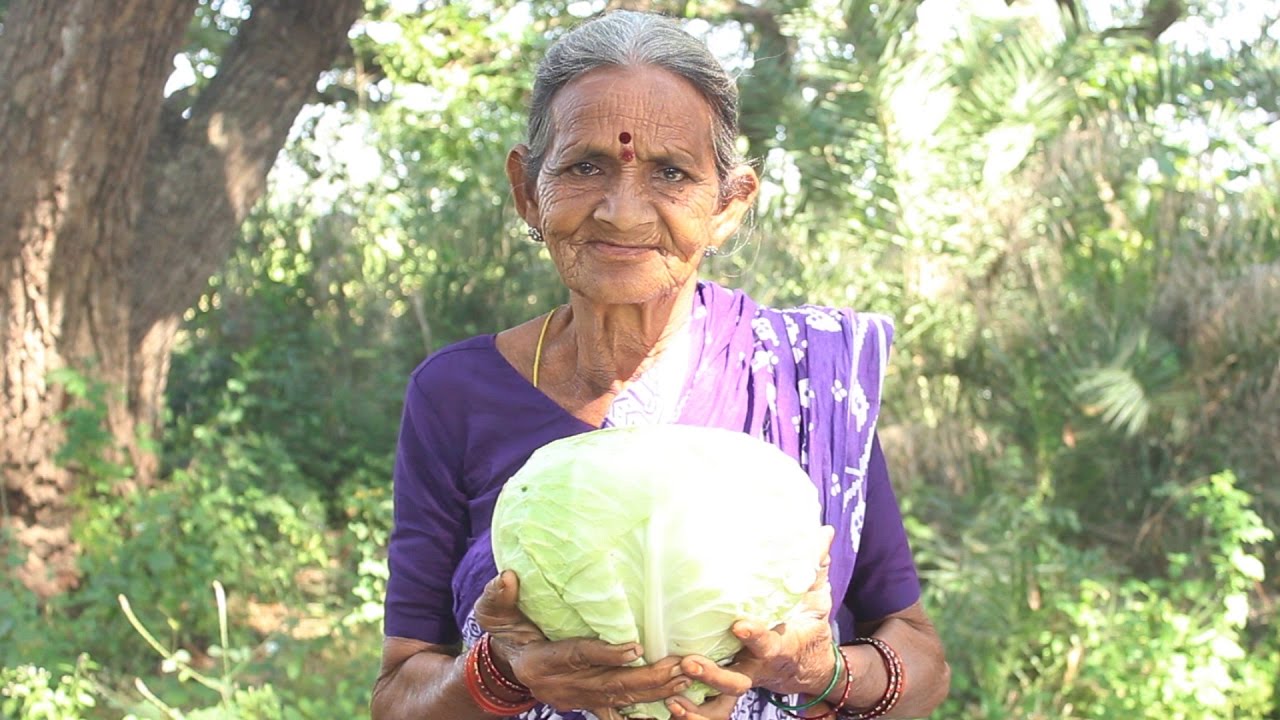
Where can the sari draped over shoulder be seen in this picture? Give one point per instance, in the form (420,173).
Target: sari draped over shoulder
(805,379)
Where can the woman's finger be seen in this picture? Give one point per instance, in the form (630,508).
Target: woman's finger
(496,606)
(758,639)
(585,654)
(610,692)
(729,680)
(717,708)
(824,555)
(818,598)
(599,686)
(825,538)
(647,683)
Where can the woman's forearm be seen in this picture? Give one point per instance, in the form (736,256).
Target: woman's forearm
(425,685)
(927,675)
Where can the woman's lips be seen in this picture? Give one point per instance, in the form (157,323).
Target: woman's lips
(621,251)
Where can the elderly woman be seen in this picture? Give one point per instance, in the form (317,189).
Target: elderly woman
(630,177)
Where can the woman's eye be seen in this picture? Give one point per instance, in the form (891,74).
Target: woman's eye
(671,174)
(584,168)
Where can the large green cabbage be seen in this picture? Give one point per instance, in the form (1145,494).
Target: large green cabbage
(662,535)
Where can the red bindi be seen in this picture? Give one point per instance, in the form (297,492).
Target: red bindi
(628,154)
(624,138)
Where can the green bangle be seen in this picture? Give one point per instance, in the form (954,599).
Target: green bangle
(835,679)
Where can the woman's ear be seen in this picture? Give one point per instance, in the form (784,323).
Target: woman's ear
(737,196)
(523,186)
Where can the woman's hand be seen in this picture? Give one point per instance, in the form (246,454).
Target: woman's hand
(719,707)
(570,674)
(794,657)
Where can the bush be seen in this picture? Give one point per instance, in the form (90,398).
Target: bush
(240,512)
(1077,638)
(33,693)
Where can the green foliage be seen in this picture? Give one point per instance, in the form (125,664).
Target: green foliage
(260,701)
(89,448)
(213,27)
(240,511)
(20,619)
(1080,639)
(1041,228)
(235,682)
(458,80)
(368,529)
(259,361)
(1076,232)
(34,693)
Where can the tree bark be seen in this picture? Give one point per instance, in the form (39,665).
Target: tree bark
(78,75)
(112,219)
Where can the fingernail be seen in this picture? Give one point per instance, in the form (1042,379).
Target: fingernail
(632,654)
(695,669)
(683,685)
(676,708)
(676,671)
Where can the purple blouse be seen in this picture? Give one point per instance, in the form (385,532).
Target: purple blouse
(805,379)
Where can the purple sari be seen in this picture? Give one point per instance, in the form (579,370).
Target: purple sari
(806,379)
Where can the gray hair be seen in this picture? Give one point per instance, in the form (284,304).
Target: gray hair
(622,38)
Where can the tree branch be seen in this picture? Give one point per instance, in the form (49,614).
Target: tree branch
(1158,16)
(206,173)
(1071,7)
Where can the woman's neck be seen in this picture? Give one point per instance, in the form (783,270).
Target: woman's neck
(613,344)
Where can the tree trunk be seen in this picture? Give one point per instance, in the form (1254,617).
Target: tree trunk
(115,211)
(78,75)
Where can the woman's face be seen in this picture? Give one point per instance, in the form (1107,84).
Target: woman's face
(628,197)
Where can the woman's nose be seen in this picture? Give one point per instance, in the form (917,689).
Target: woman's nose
(627,205)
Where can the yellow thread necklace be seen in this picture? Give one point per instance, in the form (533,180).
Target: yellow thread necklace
(537,352)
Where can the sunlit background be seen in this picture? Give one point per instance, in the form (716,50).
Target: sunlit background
(1073,218)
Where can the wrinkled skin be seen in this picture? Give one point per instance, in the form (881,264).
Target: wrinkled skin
(570,674)
(628,223)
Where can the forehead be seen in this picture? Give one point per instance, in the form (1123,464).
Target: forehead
(650,103)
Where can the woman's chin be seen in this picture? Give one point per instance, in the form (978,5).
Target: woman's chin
(626,291)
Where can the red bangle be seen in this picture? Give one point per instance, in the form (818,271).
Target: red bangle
(893,690)
(513,687)
(848,684)
(482,696)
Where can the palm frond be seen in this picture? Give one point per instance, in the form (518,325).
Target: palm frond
(1140,378)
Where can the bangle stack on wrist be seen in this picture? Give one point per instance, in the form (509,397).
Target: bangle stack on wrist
(479,668)
(893,690)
